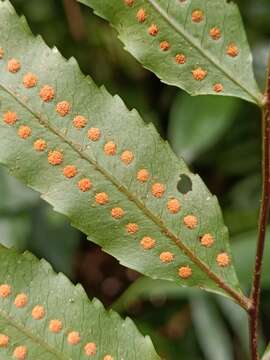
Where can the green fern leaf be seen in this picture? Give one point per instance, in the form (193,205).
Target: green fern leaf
(43,316)
(100,165)
(199,46)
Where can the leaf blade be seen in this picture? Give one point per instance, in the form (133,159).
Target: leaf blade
(192,133)
(205,315)
(68,304)
(143,203)
(189,38)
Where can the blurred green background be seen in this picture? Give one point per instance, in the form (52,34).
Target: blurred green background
(221,142)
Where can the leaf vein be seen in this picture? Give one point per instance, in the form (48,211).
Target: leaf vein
(187,251)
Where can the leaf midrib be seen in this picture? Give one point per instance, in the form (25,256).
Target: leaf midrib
(179,28)
(77,148)
(34,338)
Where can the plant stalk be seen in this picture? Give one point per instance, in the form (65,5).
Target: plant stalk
(263,220)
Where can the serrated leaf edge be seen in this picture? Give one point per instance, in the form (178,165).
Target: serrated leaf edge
(238,297)
(111,314)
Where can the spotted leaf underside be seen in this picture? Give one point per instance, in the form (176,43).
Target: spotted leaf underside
(43,316)
(99,164)
(197,45)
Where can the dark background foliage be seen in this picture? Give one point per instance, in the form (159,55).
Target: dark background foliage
(219,139)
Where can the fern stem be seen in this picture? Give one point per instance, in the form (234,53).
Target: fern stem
(263,220)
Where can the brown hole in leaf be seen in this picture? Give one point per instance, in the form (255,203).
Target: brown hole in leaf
(184,185)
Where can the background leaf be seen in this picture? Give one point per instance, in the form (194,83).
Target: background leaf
(14,196)
(103,192)
(216,343)
(245,249)
(200,47)
(28,223)
(266,355)
(166,298)
(190,131)
(27,320)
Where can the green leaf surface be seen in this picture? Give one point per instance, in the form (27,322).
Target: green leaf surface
(128,200)
(238,321)
(15,196)
(146,289)
(203,33)
(191,132)
(80,321)
(244,249)
(266,355)
(215,342)
(53,239)
(15,231)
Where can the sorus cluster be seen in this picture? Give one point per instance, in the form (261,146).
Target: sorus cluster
(55,326)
